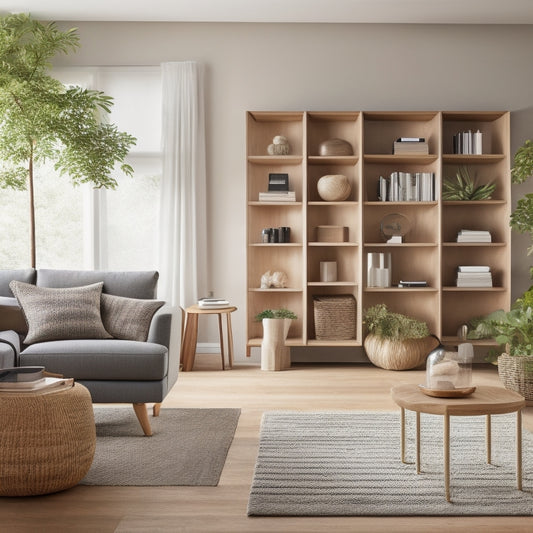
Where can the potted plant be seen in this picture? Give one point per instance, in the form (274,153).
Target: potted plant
(276,323)
(396,341)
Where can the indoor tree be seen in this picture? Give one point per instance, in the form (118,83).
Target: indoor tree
(41,119)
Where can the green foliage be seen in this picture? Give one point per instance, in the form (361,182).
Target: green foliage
(381,322)
(275,313)
(464,187)
(523,163)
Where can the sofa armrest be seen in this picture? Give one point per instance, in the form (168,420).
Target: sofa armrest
(9,349)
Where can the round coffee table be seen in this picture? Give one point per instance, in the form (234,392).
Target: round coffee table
(484,401)
(47,440)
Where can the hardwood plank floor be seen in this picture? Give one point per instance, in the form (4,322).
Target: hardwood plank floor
(223,508)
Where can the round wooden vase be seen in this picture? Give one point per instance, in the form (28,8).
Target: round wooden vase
(398,354)
(334,188)
(516,373)
(274,354)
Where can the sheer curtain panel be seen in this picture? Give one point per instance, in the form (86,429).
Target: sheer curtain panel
(183,239)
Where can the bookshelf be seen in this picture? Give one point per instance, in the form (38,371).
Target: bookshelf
(429,251)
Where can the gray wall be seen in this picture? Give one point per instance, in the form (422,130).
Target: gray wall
(320,67)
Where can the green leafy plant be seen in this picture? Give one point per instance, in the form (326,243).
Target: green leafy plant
(41,119)
(383,323)
(522,216)
(275,313)
(464,187)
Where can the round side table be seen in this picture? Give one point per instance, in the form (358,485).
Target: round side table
(47,440)
(190,335)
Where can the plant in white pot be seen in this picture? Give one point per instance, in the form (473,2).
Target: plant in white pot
(276,323)
(396,341)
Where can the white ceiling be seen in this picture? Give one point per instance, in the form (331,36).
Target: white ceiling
(363,11)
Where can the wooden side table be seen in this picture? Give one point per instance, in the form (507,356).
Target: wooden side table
(190,335)
(484,401)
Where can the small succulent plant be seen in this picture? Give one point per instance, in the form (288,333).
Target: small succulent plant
(464,187)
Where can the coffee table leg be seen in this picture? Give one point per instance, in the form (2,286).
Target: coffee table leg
(519,449)
(418,442)
(446,441)
(488,438)
(402,433)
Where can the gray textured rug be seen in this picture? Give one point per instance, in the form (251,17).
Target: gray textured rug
(188,447)
(348,463)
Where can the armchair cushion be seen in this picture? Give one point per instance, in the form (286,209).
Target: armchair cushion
(51,314)
(128,318)
(11,316)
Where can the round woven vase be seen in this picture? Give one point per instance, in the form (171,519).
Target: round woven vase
(516,373)
(398,354)
(334,188)
(47,441)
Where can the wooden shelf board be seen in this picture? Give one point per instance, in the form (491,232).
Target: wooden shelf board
(332,284)
(276,116)
(347,203)
(385,204)
(345,244)
(349,116)
(275,159)
(277,244)
(476,342)
(472,159)
(473,289)
(257,203)
(258,289)
(400,289)
(400,115)
(469,203)
(484,116)
(454,244)
(350,342)
(400,158)
(333,159)
(400,245)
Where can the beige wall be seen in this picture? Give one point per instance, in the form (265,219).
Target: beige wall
(320,67)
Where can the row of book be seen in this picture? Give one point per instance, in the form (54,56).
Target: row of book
(474,276)
(410,145)
(466,235)
(468,142)
(27,379)
(277,196)
(407,187)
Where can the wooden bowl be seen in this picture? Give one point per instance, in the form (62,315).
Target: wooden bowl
(335,147)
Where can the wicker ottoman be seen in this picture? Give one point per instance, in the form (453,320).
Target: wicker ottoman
(47,441)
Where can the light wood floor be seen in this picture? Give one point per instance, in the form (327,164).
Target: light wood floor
(223,508)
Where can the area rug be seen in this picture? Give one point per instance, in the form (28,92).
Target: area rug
(348,464)
(188,447)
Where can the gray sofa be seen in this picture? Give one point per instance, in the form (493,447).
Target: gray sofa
(115,370)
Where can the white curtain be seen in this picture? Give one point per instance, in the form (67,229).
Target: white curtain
(183,236)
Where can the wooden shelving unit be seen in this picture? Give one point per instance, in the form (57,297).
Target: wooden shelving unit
(429,251)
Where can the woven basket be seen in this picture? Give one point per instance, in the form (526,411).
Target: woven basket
(47,440)
(516,373)
(398,354)
(335,317)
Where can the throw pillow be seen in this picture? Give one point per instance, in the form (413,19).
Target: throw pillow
(11,316)
(128,318)
(58,314)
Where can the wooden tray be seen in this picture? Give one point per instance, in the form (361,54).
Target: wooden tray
(450,393)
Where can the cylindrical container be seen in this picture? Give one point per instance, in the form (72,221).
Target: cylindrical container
(284,234)
(265,235)
(379,271)
(328,271)
(274,235)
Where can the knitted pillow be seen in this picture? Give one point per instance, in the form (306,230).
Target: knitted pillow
(128,318)
(60,314)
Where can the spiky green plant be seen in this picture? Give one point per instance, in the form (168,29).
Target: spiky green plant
(41,119)
(395,326)
(464,187)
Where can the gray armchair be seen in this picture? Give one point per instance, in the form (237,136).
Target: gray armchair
(115,370)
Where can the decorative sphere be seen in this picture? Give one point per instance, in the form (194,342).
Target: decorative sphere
(334,188)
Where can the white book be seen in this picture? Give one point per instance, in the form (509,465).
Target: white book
(473,268)
(38,385)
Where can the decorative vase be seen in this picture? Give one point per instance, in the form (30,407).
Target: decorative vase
(516,373)
(334,188)
(398,354)
(274,354)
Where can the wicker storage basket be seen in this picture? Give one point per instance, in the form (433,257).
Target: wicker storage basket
(516,373)
(398,354)
(335,317)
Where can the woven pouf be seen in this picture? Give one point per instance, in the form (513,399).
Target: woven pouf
(47,441)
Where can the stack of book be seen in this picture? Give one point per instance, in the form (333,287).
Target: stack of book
(474,276)
(466,235)
(277,196)
(407,187)
(30,379)
(466,142)
(213,303)
(410,145)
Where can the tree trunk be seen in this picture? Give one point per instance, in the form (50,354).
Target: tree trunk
(32,212)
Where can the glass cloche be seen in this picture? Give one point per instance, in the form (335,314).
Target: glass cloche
(449,373)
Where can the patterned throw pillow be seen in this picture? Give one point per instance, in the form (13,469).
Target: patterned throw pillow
(128,318)
(60,314)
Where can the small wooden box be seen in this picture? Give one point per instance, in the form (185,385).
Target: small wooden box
(332,233)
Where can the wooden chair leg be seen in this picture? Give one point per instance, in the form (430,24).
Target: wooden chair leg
(142,416)
(157,409)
